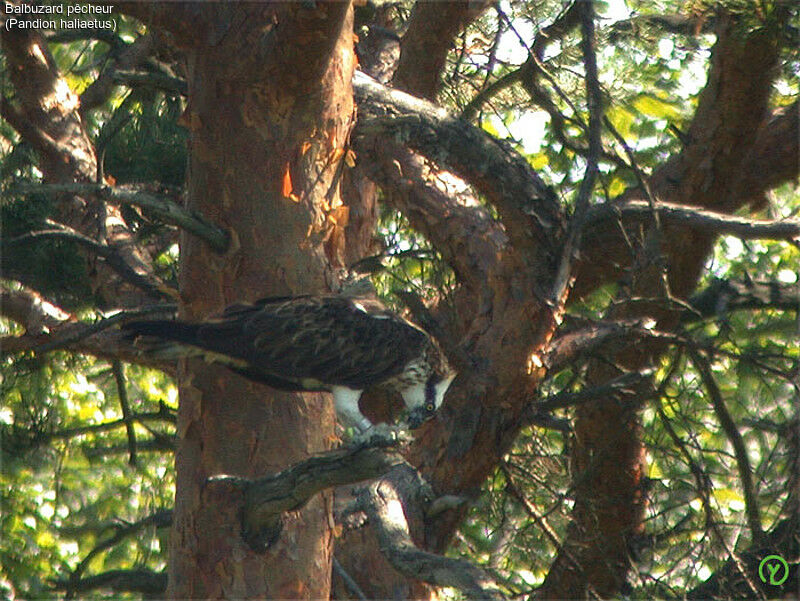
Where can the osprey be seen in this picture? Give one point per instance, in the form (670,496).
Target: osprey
(314,343)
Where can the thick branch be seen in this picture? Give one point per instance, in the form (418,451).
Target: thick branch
(527,206)
(31,310)
(724,296)
(468,238)
(431,29)
(381,502)
(266,499)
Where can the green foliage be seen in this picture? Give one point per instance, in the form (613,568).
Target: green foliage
(67,484)
(35,257)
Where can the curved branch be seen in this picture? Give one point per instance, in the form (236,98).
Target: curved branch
(466,236)
(266,499)
(384,508)
(73,584)
(128,57)
(527,206)
(735,438)
(110,254)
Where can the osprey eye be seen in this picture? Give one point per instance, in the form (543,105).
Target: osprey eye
(430,407)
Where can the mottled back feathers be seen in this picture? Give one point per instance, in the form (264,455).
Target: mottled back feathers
(304,343)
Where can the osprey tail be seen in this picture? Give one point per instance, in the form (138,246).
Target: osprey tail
(164,339)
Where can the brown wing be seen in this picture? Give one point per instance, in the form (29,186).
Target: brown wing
(306,342)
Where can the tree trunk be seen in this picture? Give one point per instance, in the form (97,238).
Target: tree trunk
(270,112)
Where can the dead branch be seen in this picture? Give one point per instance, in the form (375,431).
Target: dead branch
(163,208)
(121,581)
(695,217)
(266,499)
(382,503)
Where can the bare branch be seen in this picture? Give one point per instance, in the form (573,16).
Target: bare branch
(266,499)
(383,506)
(470,241)
(724,296)
(98,339)
(351,584)
(735,438)
(31,310)
(159,81)
(528,207)
(74,584)
(101,88)
(424,47)
(121,581)
(166,210)
(635,386)
(110,254)
(561,26)
(118,370)
(695,217)
(564,277)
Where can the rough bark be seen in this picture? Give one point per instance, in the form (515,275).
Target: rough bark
(269,114)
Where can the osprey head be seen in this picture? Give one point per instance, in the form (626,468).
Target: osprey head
(424,400)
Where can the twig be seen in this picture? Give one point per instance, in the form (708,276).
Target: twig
(735,438)
(119,377)
(351,584)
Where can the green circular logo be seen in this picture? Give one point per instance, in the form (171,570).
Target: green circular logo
(776,567)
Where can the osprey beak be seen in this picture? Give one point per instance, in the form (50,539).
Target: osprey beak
(418,416)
